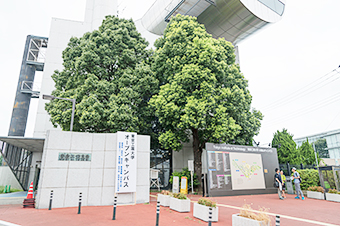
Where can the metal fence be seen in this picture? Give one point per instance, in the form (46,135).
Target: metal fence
(287,168)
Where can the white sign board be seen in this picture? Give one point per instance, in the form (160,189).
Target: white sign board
(191,165)
(126,170)
(175,184)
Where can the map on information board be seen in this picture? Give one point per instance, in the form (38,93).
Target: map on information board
(246,171)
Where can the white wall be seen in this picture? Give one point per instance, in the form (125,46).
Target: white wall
(8,178)
(96,178)
(60,33)
(180,158)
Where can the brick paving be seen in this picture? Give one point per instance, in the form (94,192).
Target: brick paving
(145,214)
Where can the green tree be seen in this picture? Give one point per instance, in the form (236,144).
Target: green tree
(321,148)
(307,153)
(203,96)
(286,147)
(108,72)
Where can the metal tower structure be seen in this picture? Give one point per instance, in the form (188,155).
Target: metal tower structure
(32,61)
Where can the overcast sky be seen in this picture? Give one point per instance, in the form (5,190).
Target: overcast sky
(286,63)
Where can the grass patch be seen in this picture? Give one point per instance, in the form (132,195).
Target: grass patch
(12,189)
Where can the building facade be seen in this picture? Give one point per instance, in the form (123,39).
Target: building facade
(234,20)
(327,144)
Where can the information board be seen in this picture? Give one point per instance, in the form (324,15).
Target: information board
(234,169)
(126,170)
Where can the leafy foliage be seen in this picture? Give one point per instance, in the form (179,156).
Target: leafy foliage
(309,177)
(165,192)
(185,173)
(333,191)
(108,72)
(321,148)
(203,94)
(286,147)
(328,178)
(206,202)
(307,154)
(179,196)
(317,189)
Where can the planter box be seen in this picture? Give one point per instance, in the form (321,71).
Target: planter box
(315,195)
(202,212)
(333,197)
(164,200)
(243,221)
(180,205)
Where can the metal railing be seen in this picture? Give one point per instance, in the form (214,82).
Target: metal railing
(19,160)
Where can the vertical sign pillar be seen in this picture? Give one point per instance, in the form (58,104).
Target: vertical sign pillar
(184,185)
(175,184)
(191,169)
(126,165)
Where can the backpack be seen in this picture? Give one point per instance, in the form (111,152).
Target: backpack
(297,174)
(276,184)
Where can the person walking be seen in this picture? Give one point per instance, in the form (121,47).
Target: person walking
(278,182)
(297,181)
(283,179)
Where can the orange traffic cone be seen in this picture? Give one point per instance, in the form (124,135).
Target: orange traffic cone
(30,192)
(29,202)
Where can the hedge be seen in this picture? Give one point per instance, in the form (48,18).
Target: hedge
(309,177)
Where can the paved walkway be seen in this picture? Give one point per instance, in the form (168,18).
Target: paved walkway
(292,212)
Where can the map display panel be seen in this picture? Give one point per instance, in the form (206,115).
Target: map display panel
(246,171)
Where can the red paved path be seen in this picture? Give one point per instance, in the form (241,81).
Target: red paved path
(145,214)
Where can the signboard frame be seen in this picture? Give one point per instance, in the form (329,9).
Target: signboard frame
(269,163)
(126,163)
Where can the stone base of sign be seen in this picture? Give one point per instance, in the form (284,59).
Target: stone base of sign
(180,205)
(96,178)
(315,195)
(202,212)
(164,200)
(243,221)
(332,197)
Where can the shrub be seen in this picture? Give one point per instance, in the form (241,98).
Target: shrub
(179,196)
(333,191)
(248,212)
(185,173)
(317,189)
(328,178)
(206,202)
(165,192)
(309,177)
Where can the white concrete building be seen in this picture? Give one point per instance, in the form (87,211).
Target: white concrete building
(233,20)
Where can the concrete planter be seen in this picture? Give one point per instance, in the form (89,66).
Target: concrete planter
(180,205)
(315,195)
(332,197)
(243,221)
(164,200)
(202,212)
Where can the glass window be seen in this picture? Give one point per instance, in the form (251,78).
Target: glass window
(275,5)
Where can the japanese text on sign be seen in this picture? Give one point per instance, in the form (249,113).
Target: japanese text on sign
(74,157)
(126,162)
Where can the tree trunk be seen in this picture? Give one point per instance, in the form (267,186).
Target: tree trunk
(197,156)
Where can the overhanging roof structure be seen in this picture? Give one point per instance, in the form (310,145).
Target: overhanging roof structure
(233,20)
(27,143)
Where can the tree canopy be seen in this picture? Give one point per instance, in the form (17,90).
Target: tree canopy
(307,153)
(286,147)
(108,72)
(203,94)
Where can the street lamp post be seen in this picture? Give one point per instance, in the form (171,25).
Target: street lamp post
(50,97)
